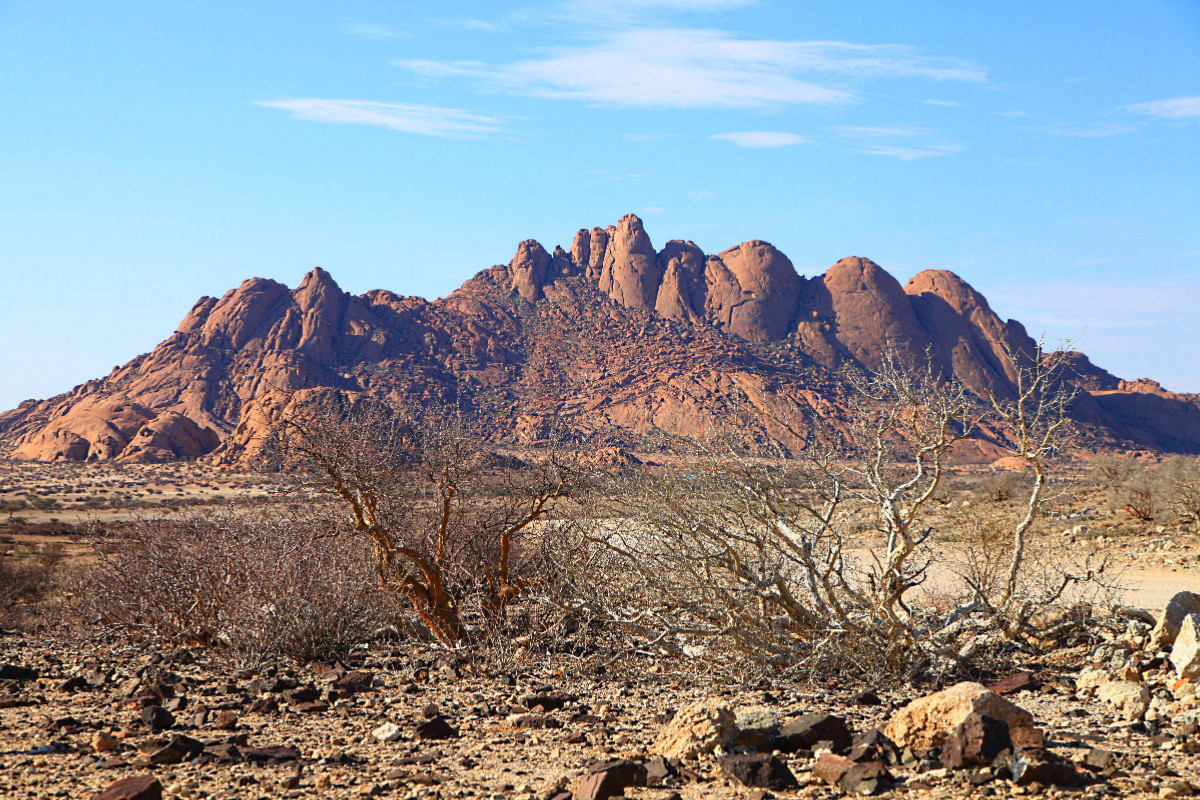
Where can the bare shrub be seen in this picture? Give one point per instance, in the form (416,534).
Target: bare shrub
(447,517)
(27,577)
(257,584)
(1129,486)
(754,563)
(1179,482)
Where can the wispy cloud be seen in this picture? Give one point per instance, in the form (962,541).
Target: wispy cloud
(897,141)
(1088,130)
(696,68)
(760,138)
(371,31)
(448,123)
(943,103)
(470,24)
(1171,108)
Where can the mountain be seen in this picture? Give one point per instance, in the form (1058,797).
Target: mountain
(610,340)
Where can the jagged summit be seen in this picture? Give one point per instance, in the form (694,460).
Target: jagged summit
(611,338)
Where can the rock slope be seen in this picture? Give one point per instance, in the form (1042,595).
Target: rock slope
(608,340)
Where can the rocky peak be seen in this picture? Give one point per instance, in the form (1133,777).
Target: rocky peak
(760,302)
(631,273)
(529,267)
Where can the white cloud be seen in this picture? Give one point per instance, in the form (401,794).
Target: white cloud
(450,123)
(878,140)
(695,68)
(370,31)
(943,103)
(910,153)
(761,138)
(1172,108)
(1089,130)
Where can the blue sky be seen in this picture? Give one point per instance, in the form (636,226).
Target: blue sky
(1048,152)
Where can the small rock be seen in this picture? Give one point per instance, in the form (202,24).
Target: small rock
(437,728)
(225,721)
(755,727)
(977,741)
(1129,700)
(1178,608)
(103,741)
(139,787)
(1017,682)
(387,732)
(758,770)
(868,777)
(16,672)
(1185,654)
(610,779)
(804,732)
(157,718)
(926,722)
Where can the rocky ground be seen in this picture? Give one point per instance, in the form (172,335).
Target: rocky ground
(402,721)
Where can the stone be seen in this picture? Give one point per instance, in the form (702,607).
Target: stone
(139,787)
(874,745)
(16,672)
(868,777)
(103,741)
(760,770)
(157,718)
(806,731)
(1098,759)
(1128,700)
(1030,768)
(225,720)
(1185,652)
(437,728)
(1017,682)
(927,721)
(1179,607)
(976,741)
(699,728)
(660,770)
(387,732)
(610,779)
(548,702)
(755,727)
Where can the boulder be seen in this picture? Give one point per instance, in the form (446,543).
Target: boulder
(699,728)
(1185,653)
(926,722)
(760,770)
(977,741)
(139,787)
(610,779)
(807,731)
(1178,609)
(1128,700)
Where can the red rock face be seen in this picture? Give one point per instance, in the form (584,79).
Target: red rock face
(608,341)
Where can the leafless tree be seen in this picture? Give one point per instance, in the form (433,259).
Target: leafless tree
(809,560)
(444,511)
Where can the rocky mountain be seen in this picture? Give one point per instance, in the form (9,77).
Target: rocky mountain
(609,340)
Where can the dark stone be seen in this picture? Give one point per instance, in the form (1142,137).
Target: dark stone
(274,685)
(223,753)
(610,779)
(315,707)
(804,732)
(1017,682)
(1026,768)
(225,721)
(436,728)
(760,770)
(548,702)
(265,755)
(74,684)
(1098,759)
(976,741)
(301,694)
(536,722)
(660,770)
(873,745)
(139,787)
(157,718)
(180,748)
(867,777)
(867,698)
(15,672)
(264,705)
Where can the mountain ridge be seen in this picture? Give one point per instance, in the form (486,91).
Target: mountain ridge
(612,339)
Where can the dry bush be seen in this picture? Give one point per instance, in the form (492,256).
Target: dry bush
(749,563)
(256,584)
(1179,487)
(1129,486)
(27,578)
(448,518)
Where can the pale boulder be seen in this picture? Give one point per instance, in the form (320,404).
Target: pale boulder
(1185,653)
(1128,700)
(699,728)
(926,722)
(1178,609)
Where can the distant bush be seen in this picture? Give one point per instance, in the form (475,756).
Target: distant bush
(257,585)
(27,576)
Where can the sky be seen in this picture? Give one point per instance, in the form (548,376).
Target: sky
(151,153)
